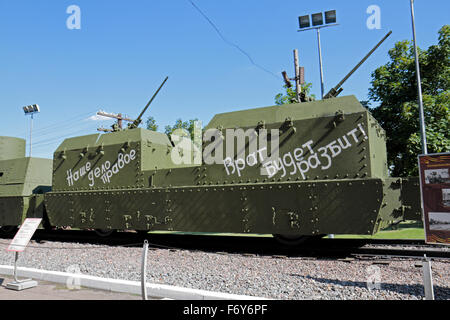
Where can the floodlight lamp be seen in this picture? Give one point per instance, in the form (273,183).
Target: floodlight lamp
(31,109)
(330,16)
(304,22)
(317,19)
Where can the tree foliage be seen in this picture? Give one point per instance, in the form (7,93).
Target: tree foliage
(188,127)
(394,87)
(291,96)
(151,124)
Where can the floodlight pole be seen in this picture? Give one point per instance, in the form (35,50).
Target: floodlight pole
(320,62)
(31,131)
(322,87)
(31,110)
(419,86)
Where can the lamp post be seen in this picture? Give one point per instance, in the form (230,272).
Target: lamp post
(318,23)
(419,86)
(31,110)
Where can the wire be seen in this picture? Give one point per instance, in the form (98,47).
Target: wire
(233,44)
(62,123)
(64,128)
(50,140)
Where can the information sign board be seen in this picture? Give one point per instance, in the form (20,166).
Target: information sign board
(434,171)
(24,235)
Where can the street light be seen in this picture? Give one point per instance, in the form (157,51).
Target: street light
(419,86)
(318,23)
(31,111)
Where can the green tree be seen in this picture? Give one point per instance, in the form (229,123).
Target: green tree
(151,124)
(189,126)
(192,127)
(291,97)
(394,87)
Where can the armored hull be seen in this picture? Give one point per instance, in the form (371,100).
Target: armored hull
(23,182)
(326,173)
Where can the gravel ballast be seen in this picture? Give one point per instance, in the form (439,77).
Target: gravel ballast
(261,276)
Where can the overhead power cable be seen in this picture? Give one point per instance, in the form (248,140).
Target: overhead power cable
(233,44)
(57,132)
(58,139)
(62,124)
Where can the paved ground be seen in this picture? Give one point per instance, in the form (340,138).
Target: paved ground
(51,291)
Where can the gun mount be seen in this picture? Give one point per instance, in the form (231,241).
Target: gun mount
(138,121)
(133,123)
(333,93)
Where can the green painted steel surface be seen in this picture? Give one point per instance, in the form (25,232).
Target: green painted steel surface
(22,183)
(289,208)
(330,176)
(11,148)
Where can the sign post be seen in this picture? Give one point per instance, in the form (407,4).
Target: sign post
(144,271)
(18,244)
(434,175)
(427,279)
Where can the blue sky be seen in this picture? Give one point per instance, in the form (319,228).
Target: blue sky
(125,49)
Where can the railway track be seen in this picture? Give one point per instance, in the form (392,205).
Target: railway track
(257,245)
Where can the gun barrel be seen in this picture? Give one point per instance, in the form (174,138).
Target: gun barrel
(335,89)
(138,120)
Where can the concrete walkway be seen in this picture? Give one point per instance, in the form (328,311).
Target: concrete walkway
(51,291)
(127,287)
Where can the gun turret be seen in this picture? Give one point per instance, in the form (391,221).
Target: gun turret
(337,89)
(138,121)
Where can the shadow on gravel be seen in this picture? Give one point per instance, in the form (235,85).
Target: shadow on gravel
(264,246)
(440,293)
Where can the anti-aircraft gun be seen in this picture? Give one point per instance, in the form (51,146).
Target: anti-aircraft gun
(138,121)
(334,92)
(133,123)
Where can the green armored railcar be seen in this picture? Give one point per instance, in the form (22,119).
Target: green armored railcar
(23,182)
(327,175)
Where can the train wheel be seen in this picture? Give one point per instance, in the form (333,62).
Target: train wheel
(104,233)
(293,240)
(8,230)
